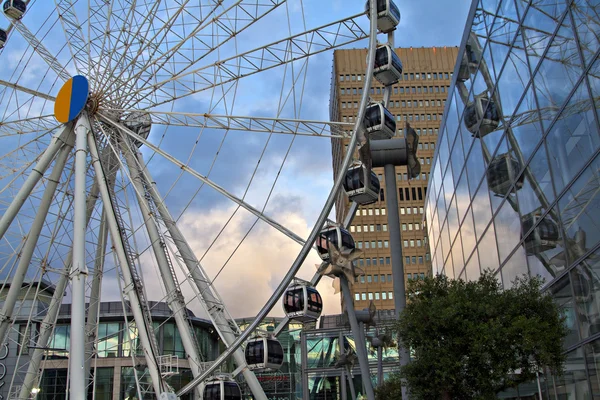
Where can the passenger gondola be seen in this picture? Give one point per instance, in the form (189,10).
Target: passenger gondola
(388,67)
(3,37)
(379,123)
(264,352)
(468,64)
(140,123)
(14,8)
(220,387)
(302,302)
(388,15)
(501,174)
(338,237)
(545,235)
(361,186)
(481,116)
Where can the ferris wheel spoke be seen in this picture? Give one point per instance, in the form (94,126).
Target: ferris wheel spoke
(39,48)
(197,47)
(155,42)
(78,46)
(27,90)
(249,124)
(294,48)
(112,48)
(28,125)
(206,181)
(125,60)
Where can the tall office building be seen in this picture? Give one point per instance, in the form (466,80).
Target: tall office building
(418,99)
(515,183)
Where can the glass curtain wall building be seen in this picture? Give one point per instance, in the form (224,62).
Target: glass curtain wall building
(515,184)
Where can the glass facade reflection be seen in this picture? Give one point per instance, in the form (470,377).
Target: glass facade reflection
(515,185)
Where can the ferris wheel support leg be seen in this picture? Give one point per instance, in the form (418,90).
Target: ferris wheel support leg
(129,290)
(216,312)
(46,327)
(79,271)
(91,326)
(59,139)
(361,348)
(26,255)
(175,298)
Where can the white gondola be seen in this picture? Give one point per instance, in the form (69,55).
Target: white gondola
(220,387)
(14,8)
(545,235)
(3,37)
(302,302)
(337,236)
(388,15)
(388,67)
(501,174)
(379,123)
(140,123)
(264,352)
(361,186)
(481,116)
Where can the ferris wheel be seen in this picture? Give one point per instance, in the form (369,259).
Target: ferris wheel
(122,122)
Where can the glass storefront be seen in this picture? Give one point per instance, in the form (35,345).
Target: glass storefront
(515,186)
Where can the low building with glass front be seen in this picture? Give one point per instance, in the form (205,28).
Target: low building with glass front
(515,183)
(119,356)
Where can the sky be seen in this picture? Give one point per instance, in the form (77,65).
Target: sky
(248,164)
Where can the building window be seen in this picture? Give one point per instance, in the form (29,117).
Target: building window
(362,279)
(363,296)
(388,260)
(404,242)
(383,296)
(414,259)
(356,297)
(341,78)
(376,295)
(390,296)
(374,261)
(420,259)
(386,244)
(389,279)
(376,278)
(369,279)
(370,296)
(407,260)
(385,227)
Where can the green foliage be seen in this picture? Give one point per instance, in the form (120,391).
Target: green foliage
(391,389)
(467,339)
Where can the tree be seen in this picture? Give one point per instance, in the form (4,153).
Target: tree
(471,340)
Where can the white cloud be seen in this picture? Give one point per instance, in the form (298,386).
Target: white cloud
(253,273)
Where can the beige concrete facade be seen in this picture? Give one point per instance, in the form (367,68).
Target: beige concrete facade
(418,99)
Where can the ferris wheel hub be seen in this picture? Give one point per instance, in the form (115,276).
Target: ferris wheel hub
(71,99)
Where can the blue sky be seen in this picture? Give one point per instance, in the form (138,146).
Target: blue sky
(306,177)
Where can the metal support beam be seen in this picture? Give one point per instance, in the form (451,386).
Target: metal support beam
(36,174)
(6,314)
(79,271)
(175,298)
(47,325)
(129,290)
(361,349)
(209,298)
(91,327)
